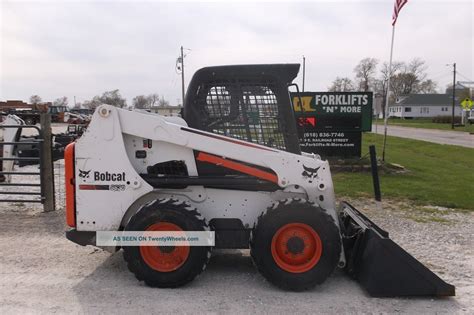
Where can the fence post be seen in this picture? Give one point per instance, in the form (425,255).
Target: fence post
(46,164)
(375,173)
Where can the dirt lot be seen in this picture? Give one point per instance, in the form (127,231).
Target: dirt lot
(42,272)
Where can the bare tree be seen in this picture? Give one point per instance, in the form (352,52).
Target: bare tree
(113,98)
(380,84)
(93,103)
(162,102)
(412,79)
(153,99)
(62,101)
(141,102)
(416,70)
(341,85)
(405,78)
(365,72)
(35,99)
(428,86)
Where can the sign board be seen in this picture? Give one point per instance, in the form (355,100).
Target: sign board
(467,103)
(330,123)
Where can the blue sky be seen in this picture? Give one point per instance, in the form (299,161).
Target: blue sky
(82,48)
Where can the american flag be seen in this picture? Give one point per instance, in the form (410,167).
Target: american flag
(396,9)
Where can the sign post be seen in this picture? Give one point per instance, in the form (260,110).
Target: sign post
(466,105)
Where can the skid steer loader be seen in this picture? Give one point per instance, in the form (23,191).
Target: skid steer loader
(232,166)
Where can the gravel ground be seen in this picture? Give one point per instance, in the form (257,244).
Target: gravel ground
(42,272)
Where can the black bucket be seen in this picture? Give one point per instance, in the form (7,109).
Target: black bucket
(380,265)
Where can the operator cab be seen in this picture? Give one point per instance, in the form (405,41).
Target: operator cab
(246,102)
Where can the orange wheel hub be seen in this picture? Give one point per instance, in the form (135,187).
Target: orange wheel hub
(296,247)
(164,258)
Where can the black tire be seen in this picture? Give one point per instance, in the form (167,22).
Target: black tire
(185,217)
(295,212)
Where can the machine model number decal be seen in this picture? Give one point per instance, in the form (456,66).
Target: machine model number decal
(117,187)
(102,187)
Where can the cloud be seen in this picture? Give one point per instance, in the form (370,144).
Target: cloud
(84,48)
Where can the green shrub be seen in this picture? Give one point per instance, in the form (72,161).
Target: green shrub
(446,119)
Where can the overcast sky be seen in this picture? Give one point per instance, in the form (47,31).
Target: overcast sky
(79,48)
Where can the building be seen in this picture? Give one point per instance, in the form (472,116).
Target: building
(463,89)
(423,105)
(167,110)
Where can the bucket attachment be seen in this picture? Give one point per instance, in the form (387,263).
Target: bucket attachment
(380,265)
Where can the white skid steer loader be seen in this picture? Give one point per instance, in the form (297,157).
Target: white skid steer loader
(237,173)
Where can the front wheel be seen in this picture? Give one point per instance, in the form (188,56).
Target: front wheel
(166,266)
(295,245)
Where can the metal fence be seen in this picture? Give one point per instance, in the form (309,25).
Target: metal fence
(43,145)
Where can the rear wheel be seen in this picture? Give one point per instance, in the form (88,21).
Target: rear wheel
(166,266)
(295,245)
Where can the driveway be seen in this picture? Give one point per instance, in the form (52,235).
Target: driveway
(463,139)
(42,272)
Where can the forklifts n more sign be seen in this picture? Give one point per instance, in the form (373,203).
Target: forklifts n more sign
(330,123)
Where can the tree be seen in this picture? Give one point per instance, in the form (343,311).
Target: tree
(380,84)
(341,85)
(162,102)
(62,101)
(405,78)
(35,99)
(113,98)
(108,97)
(93,103)
(141,102)
(428,86)
(365,72)
(412,79)
(153,99)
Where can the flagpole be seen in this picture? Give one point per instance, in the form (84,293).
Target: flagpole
(387,96)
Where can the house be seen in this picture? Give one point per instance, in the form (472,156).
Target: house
(167,110)
(423,105)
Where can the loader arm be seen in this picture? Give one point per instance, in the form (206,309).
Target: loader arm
(288,167)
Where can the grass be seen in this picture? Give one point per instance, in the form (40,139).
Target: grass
(438,175)
(424,123)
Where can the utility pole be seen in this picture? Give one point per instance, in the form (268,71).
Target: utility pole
(454,94)
(182,76)
(304,69)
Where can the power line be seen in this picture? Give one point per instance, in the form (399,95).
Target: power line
(462,75)
(437,77)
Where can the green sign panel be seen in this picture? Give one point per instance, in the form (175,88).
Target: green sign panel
(344,111)
(331,123)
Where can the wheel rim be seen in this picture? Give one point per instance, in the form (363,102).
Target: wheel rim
(164,258)
(296,247)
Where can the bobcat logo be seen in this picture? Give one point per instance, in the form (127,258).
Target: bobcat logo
(310,173)
(84,174)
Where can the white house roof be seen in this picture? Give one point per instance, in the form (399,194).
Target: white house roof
(424,99)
